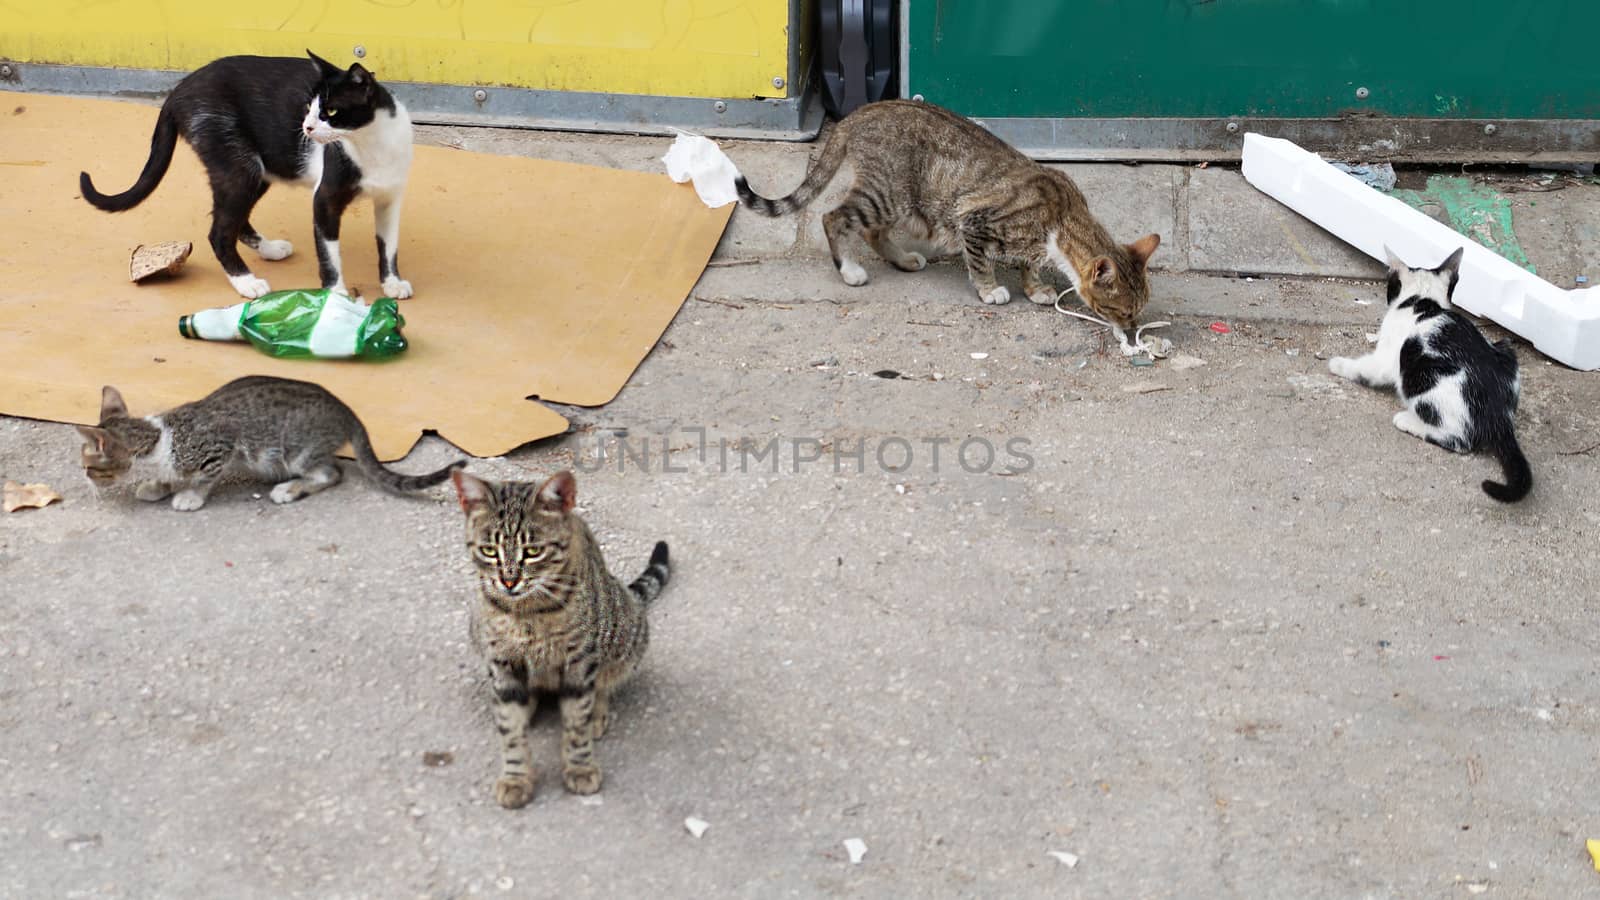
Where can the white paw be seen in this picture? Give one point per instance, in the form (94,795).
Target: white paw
(274,249)
(915,262)
(852,273)
(283,493)
(188,501)
(1342,367)
(1044,297)
(151,491)
(249,286)
(397,288)
(339,288)
(997,297)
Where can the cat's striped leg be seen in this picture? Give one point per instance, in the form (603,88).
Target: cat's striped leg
(838,225)
(904,260)
(1033,285)
(513,707)
(578,770)
(977,248)
(307,483)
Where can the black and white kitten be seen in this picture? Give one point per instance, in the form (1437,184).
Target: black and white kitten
(254,120)
(1459,390)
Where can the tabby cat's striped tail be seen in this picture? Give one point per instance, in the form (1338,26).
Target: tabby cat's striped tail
(648,586)
(387,478)
(821,173)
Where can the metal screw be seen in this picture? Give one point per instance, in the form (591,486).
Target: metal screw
(1233,127)
(777,82)
(917,97)
(720,106)
(1362,93)
(360,52)
(480,95)
(1490,128)
(5,71)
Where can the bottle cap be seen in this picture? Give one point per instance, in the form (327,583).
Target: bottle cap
(186,327)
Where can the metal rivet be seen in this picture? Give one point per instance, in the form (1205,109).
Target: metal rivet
(1490,128)
(1233,127)
(480,95)
(720,106)
(1362,93)
(5,71)
(360,52)
(777,82)
(917,97)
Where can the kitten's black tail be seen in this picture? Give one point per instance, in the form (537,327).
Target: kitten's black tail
(648,586)
(387,478)
(162,142)
(822,172)
(1519,478)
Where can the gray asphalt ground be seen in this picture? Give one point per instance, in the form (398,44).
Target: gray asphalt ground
(1214,627)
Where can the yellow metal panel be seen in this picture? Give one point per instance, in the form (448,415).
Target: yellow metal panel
(676,48)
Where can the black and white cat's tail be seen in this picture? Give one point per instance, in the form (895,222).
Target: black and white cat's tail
(821,173)
(387,478)
(648,586)
(1519,478)
(162,143)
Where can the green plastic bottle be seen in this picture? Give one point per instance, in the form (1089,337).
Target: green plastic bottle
(318,323)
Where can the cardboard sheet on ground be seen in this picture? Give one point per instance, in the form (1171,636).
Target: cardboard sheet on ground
(532,278)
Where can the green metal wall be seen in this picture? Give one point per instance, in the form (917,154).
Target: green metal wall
(1467,59)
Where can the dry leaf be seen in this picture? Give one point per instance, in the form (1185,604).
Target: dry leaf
(18,496)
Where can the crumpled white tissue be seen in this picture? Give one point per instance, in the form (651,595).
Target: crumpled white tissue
(699,158)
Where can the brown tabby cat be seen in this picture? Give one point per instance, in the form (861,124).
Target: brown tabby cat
(267,427)
(551,618)
(936,175)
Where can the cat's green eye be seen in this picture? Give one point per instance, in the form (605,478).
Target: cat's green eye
(488,552)
(534,554)
(332,113)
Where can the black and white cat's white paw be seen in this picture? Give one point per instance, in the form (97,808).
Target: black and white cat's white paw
(274,250)
(398,288)
(852,273)
(1344,367)
(998,296)
(249,286)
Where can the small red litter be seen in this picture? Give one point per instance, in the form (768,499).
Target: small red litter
(1437,658)
(1220,327)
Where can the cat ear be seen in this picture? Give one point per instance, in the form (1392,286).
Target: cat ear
(95,436)
(359,76)
(1144,248)
(111,404)
(1394,262)
(1451,266)
(559,493)
(1102,270)
(324,68)
(474,493)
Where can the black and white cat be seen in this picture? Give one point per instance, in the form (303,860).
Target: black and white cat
(1459,390)
(255,120)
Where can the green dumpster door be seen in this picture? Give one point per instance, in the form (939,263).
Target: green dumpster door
(1462,59)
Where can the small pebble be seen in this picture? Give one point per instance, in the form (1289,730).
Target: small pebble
(1141,361)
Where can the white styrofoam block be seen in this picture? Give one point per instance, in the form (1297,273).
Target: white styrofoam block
(1564,325)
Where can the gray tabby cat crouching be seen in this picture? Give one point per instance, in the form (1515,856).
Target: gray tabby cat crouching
(269,428)
(927,172)
(550,617)
(1460,392)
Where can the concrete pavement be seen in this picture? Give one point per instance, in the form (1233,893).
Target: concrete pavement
(1228,634)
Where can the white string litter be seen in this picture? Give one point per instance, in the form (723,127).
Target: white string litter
(1154,351)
